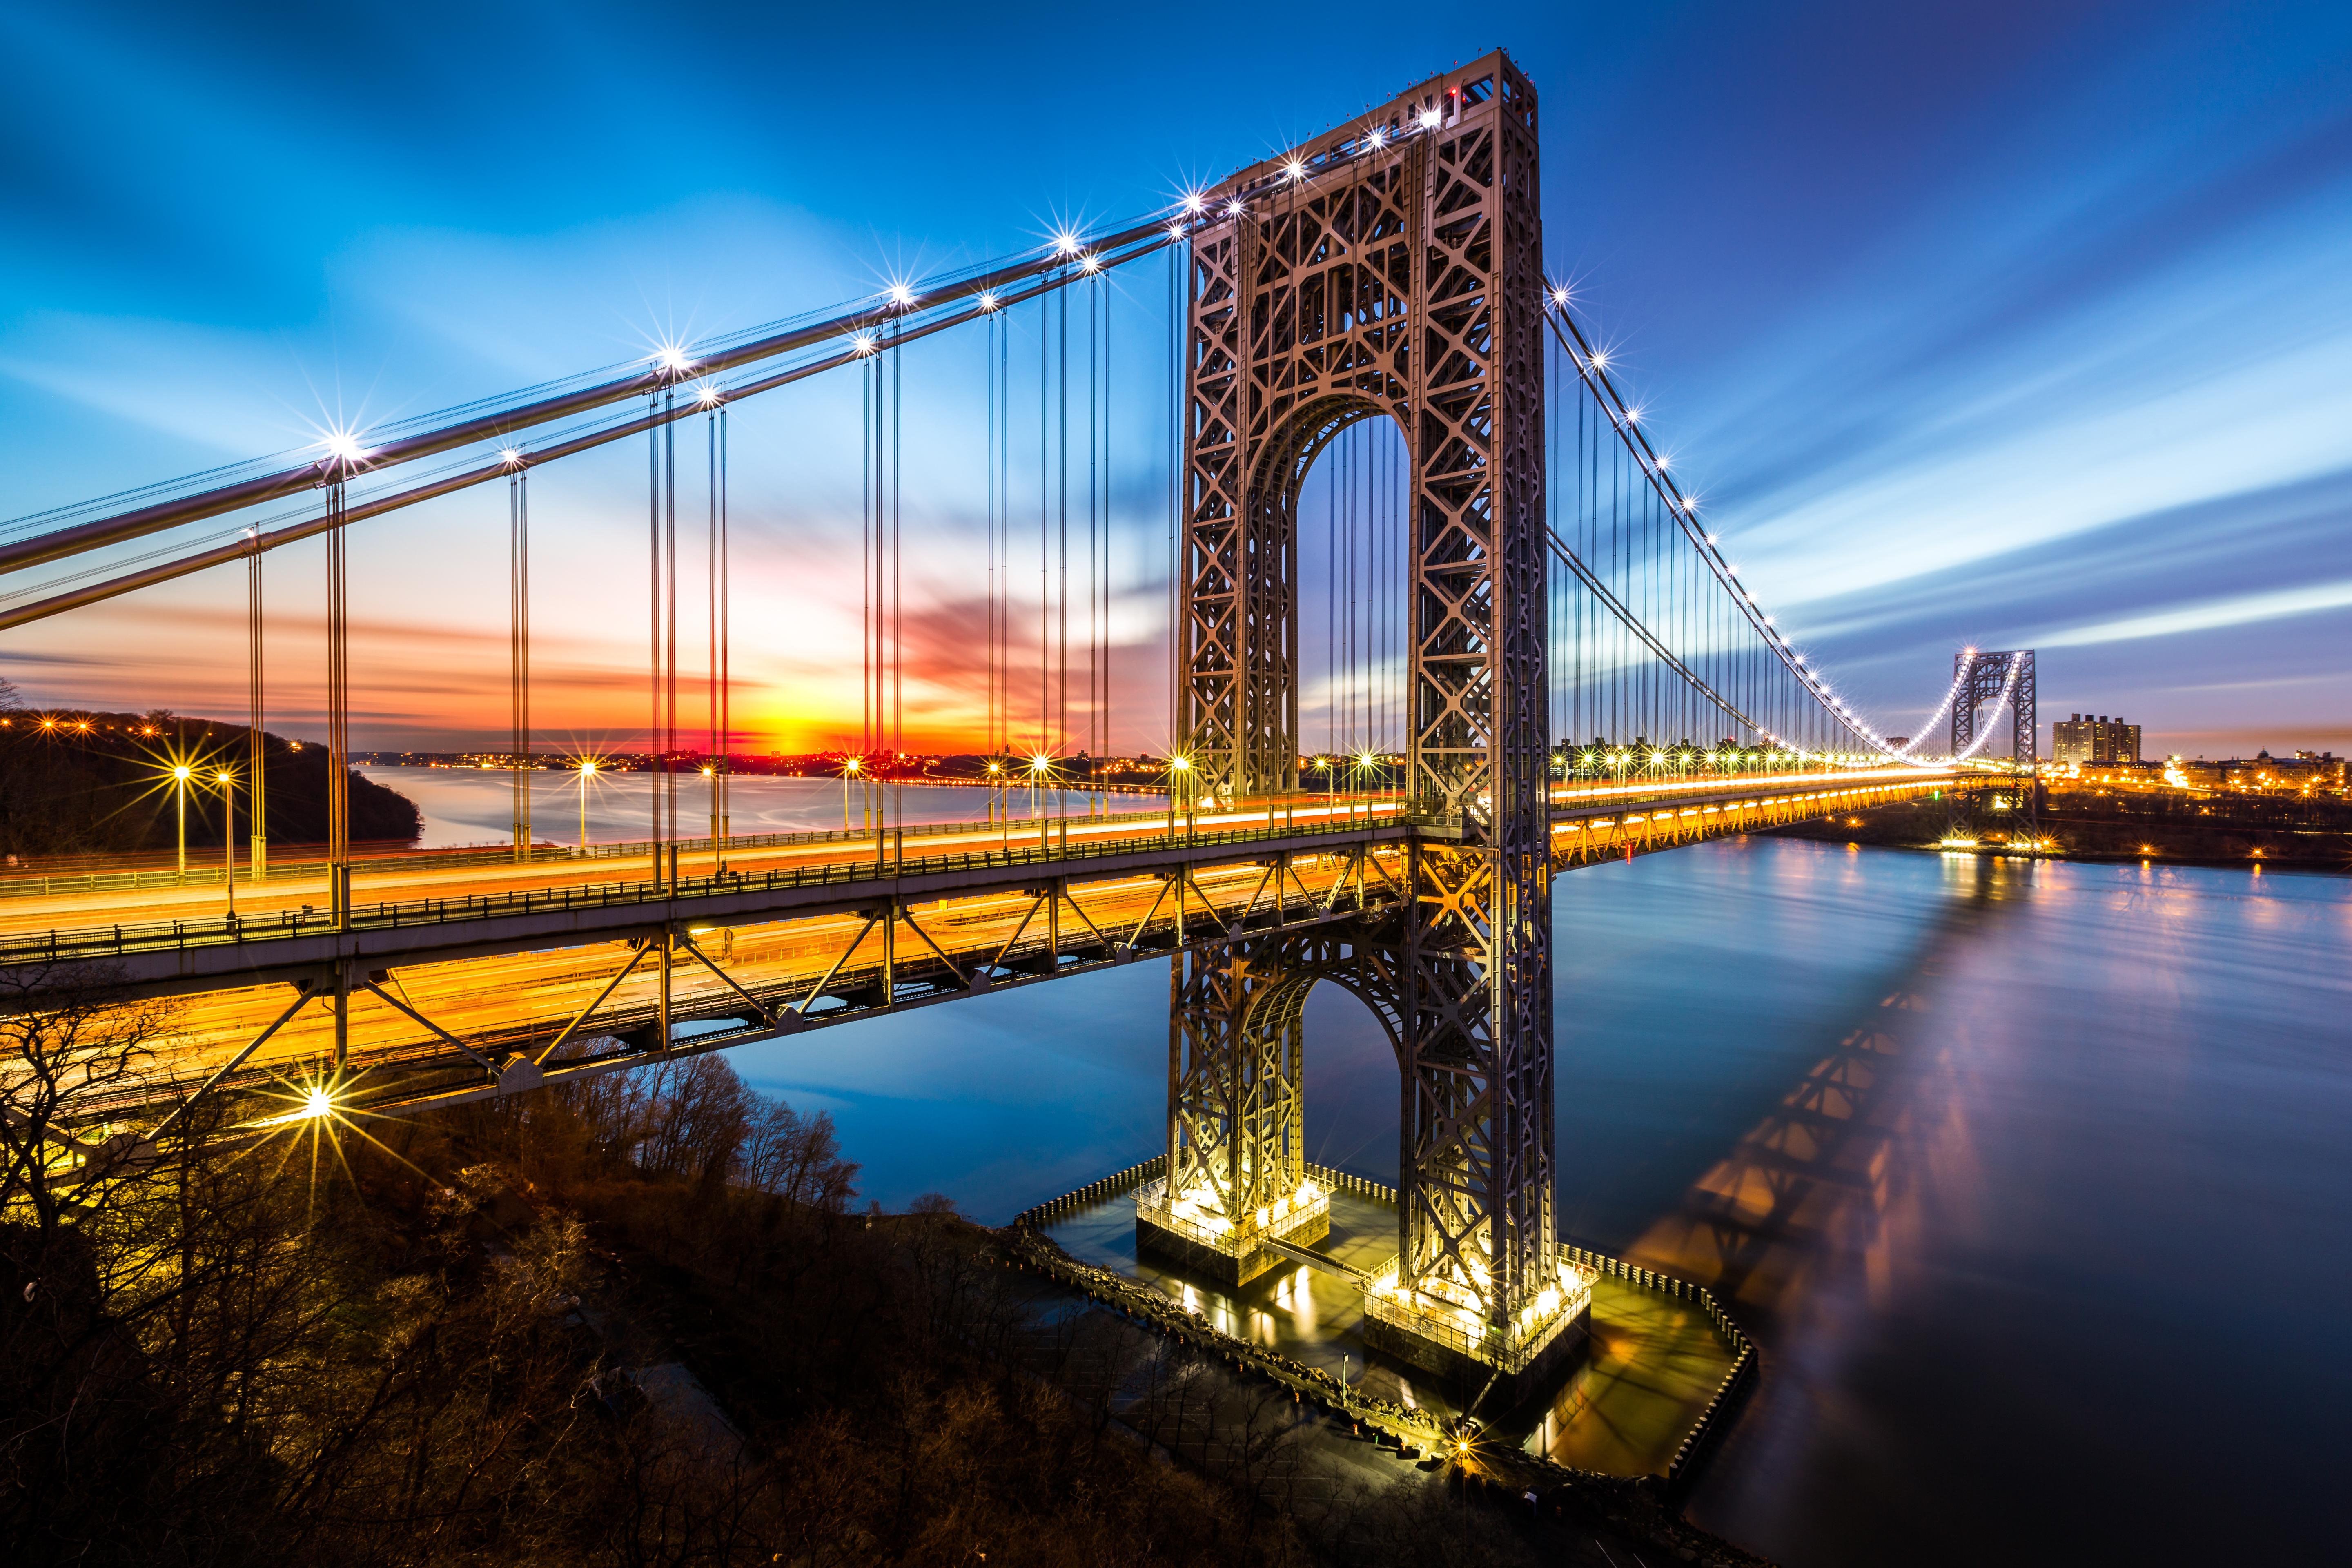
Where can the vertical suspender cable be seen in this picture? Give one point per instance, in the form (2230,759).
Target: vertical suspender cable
(865,558)
(518,654)
(668,762)
(1179,465)
(1044,521)
(1094,494)
(653,633)
(338,711)
(726,762)
(1062,510)
(257,811)
(895,795)
(710,626)
(1103,726)
(989,364)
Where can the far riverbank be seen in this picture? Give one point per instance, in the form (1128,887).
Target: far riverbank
(2097,826)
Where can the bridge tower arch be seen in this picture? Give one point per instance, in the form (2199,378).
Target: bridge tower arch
(1395,266)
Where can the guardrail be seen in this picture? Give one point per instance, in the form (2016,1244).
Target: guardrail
(98,880)
(120,941)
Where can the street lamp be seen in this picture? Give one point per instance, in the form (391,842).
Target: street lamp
(1038,765)
(587,770)
(180,777)
(227,780)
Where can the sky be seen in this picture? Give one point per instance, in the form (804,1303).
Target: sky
(1996,324)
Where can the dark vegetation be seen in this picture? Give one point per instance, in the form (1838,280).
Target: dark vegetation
(76,782)
(635,1321)
(2158,824)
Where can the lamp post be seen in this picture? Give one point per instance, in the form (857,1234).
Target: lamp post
(180,777)
(227,780)
(718,855)
(587,769)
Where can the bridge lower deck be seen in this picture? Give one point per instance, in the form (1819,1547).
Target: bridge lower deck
(449,993)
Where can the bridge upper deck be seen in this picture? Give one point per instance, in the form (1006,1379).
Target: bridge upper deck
(178,938)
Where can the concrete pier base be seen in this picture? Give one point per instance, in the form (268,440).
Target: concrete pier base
(1238,1265)
(1568,1341)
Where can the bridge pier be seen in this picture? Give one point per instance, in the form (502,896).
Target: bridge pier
(1236,1181)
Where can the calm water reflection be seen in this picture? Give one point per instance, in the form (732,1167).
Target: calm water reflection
(2032,1182)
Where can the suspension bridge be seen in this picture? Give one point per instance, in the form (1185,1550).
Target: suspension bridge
(1441,624)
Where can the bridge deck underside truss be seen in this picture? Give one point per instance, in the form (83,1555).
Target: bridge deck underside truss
(489,989)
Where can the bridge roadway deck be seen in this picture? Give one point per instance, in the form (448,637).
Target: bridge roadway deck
(502,956)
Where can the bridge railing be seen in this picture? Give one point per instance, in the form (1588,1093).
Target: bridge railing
(121,940)
(308,862)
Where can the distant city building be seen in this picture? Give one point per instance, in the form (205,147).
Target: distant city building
(2095,740)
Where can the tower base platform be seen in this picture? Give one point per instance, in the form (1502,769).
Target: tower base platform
(1458,1366)
(1229,1255)
(1229,1266)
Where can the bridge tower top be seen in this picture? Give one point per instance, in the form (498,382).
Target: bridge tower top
(1449,97)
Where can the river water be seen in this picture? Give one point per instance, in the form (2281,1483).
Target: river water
(2033,1182)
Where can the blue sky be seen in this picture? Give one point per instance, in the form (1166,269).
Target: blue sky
(2004,324)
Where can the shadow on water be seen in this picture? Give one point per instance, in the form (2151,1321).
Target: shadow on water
(1808,1182)
(2004,1244)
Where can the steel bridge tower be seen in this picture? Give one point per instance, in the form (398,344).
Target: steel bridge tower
(1389,269)
(1982,678)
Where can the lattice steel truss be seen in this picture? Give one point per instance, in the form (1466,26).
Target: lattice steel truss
(1983,676)
(1236,1149)
(1237,1131)
(1395,267)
